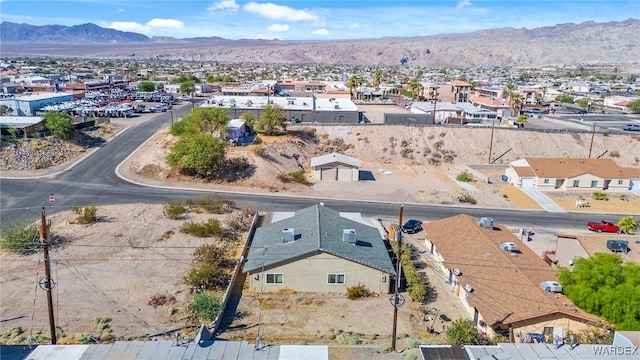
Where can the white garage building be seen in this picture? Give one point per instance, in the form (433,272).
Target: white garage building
(337,167)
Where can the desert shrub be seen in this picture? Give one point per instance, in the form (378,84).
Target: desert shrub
(87,215)
(12,336)
(260,151)
(411,356)
(210,228)
(205,306)
(357,292)
(83,338)
(402,336)
(173,209)
(161,299)
(212,204)
(600,195)
(19,237)
(614,154)
(101,324)
(438,144)
(431,137)
(385,350)
(411,343)
(240,221)
(299,177)
(354,339)
(257,140)
(434,160)
(464,177)
(466,198)
(211,268)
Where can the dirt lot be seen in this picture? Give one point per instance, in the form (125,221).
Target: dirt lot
(112,268)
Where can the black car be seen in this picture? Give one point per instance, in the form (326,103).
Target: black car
(412,226)
(581,111)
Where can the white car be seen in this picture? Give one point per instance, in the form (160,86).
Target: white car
(632,127)
(551,286)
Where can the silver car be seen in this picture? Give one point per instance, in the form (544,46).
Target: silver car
(632,127)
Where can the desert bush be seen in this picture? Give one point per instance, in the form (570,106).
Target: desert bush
(357,292)
(212,204)
(20,237)
(173,209)
(385,350)
(101,324)
(438,144)
(466,198)
(410,343)
(87,215)
(354,339)
(257,140)
(211,268)
(299,177)
(210,228)
(600,195)
(12,336)
(205,306)
(411,356)
(260,151)
(161,299)
(464,177)
(240,221)
(614,154)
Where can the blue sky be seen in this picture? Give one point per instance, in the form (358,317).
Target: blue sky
(313,19)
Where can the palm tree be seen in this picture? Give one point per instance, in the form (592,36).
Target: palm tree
(518,101)
(628,224)
(377,75)
(416,88)
(521,119)
(544,90)
(352,83)
(510,88)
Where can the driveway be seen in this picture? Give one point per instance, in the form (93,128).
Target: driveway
(543,200)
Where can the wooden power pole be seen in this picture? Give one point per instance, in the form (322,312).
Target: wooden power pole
(47,283)
(493,126)
(396,302)
(593,134)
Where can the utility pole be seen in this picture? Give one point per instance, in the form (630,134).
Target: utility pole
(593,134)
(46,283)
(493,126)
(396,302)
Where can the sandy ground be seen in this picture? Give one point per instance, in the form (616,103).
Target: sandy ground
(112,268)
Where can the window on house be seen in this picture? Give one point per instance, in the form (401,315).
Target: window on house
(594,183)
(576,183)
(620,182)
(275,278)
(546,181)
(335,278)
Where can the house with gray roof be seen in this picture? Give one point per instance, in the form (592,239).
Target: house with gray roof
(336,166)
(319,249)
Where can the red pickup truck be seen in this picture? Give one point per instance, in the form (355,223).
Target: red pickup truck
(603,226)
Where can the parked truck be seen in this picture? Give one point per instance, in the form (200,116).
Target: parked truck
(603,226)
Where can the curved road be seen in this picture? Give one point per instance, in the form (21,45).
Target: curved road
(93,181)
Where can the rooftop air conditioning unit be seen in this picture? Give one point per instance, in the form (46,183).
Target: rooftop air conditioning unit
(349,236)
(469,288)
(486,222)
(457,272)
(508,246)
(336,106)
(288,235)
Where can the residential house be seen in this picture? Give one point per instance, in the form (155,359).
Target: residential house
(321,250)
(236,130)
(572,174)
(498,280)
(336,166)
(461,91)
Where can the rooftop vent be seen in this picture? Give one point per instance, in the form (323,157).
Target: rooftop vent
(336,106)
(486,222)
(457,272)
(508,246)
(288,235)
(469,288)
(349,236)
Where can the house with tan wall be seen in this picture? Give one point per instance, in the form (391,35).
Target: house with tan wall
(498,279)
(319,249)
(566,174)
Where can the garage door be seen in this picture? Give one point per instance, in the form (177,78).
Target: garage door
(635,184)
(329,174)
(527,182)
(345,174)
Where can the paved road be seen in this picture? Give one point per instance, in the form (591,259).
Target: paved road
(93,181)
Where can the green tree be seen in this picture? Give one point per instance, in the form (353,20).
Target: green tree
(517,101)
(146,86)
(187,87)
(606,286)
(582,102)
(510,89)
(377,76)
(249,118)
(59,123)
(416,89)
(628,224)
(215,120)
(544,90)
(463,332)
(199,155)
(189,124)
(634,106)
(564,98)
(271,121)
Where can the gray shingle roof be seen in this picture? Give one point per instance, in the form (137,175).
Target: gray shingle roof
(335,157)
(317,229)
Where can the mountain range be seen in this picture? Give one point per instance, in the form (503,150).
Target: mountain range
(585,43)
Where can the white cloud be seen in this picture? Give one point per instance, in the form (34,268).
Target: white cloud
(121,10)
(278,27)
(463,3)
(151,27)
(354,26)
(279,12)
(320,32)
(224,5)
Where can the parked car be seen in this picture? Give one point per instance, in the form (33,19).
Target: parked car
(603,226)
(551,286)
(632,127)
(412,226)
(581,111)
(618,245)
